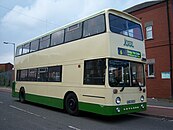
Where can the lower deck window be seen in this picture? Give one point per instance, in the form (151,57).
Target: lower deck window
(55,73)
(94,72)
(43,74)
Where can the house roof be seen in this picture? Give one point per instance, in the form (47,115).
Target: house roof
(142,5)
(6,63)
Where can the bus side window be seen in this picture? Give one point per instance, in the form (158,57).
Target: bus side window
(26,48)
(44,42)
(57,38)
(18,75)
(94,72)
(19,51)
(55,73)
(34,45)
(73,32)
(23,75)
(42,75)
(32,74)
(94,26)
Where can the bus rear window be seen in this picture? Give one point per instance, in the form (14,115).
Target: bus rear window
(125,27)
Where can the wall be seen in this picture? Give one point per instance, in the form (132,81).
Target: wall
(158,47)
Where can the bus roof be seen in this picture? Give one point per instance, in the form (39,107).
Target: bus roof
(123,14)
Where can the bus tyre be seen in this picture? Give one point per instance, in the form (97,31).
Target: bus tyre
(22,95)
(71,104)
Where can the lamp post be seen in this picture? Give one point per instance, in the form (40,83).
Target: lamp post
(13,46)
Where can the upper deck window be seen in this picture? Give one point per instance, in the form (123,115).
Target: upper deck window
(19,51)
(44,42)
(57,38)
(26,48)
(73,32)
(125,27)
(34,45)
(94,26)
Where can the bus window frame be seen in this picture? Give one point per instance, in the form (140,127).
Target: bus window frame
(141,31)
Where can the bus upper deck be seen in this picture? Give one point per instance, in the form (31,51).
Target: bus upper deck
(121,31)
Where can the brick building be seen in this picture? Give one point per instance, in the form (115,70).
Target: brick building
(6,74)
(157,21)
(5,67)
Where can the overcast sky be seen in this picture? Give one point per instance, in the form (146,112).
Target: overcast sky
(21,20)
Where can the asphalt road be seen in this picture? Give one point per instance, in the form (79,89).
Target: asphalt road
(17,116)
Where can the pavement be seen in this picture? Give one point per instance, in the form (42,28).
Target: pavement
(159,108)
(162,108)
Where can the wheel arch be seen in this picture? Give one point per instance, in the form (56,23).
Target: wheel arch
(65,96)
(22,88)
(22,96)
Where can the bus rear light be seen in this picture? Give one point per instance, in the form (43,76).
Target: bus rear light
(115,91)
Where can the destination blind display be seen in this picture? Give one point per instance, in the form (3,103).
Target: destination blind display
(130,53)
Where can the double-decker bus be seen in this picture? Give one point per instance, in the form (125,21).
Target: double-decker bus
(95,64)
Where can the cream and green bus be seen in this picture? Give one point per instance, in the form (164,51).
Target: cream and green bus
(96,64)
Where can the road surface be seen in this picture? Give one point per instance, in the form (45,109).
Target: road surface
(17,116)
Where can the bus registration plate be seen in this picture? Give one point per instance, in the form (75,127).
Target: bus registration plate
(130,101)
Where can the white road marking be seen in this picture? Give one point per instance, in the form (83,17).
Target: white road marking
(171,108)
(74,128)
(1,102)
(31,113)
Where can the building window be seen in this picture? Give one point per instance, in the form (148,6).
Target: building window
(94,72)
(149,32)
(150,70)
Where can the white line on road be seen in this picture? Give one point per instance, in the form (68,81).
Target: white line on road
(162,107)
(74,128)
(31,113)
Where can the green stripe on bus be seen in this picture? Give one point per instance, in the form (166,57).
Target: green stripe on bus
(112,110)
(49,101)
(89,107)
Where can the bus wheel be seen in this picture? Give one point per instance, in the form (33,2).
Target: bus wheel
(22,95)
(71,104)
